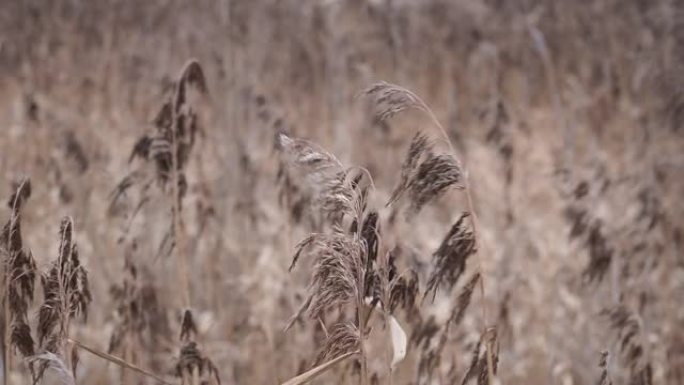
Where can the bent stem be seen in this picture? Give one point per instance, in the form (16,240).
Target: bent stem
(362,326)
(6,326)
(118,361)
(475,224)
(318,370)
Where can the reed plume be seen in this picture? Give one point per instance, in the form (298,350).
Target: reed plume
(418,149)
(19,275)
(591,230)
(166,148)
(176,128)
(343,338)
(389,99)
(338,266)
(431,355)
(484,363)
(425,175)
(433,177)
(451,256)
(140,322)
(193,367)
(66,295)
(341,259)
(404,288)
(632,344)
(335,190)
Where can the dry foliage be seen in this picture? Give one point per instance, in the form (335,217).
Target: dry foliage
(508,212)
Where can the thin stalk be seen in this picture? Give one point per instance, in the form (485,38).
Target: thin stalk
(318,370)
(194,380)
(127,357)
(386,294)
(475,224)
(6,335)
(490,362)
(360,317)
(118,361)
(5,303)
(65,314)
(362,327)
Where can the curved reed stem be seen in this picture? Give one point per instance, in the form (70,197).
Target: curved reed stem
(422,106)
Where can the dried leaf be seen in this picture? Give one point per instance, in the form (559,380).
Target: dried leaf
(399,341)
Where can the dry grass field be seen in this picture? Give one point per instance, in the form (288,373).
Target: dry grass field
(342,192)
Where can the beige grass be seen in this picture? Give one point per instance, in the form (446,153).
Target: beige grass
(556,125)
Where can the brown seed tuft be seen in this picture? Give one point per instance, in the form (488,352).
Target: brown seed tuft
(334,191)
(419,147)
(387,100)
(141,315)
(338,266)
(425,175)
(451,256)
(600,254)
(403,288)
(188,327)
(192,361)
(627,324)
(463,300)
(479,367)
(20,273)
(433,177)
(166,150)
(343,338)
(66,292)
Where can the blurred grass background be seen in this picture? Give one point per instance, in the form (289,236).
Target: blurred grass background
(542,98)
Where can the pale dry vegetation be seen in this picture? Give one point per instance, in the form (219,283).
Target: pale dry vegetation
(342,192)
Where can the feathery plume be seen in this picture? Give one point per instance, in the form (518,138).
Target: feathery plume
(188,327)
(387,100)
(403,288)
(419,147)
(425,175)
(478,365)
(192,361)
(434,175)
(451,256)
(66,295)
(632,344)
(338,266)
(335,191)
(343,338)
(20,273)
(600,254)
(464,297)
